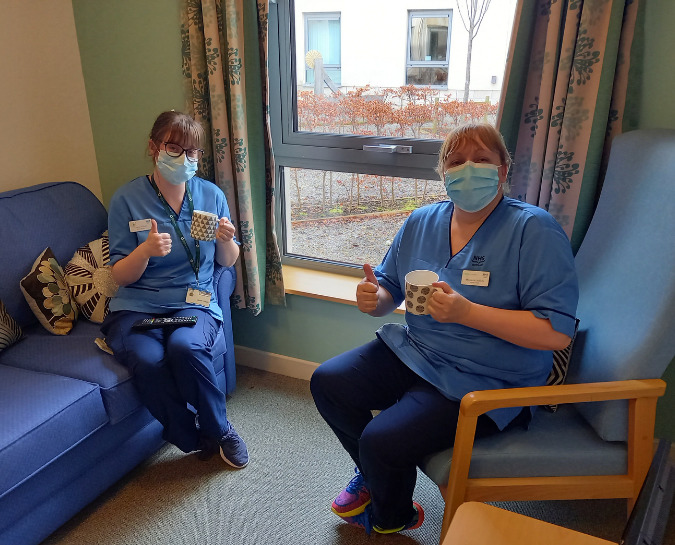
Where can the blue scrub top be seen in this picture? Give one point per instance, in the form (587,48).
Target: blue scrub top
(163,286)
(531,267)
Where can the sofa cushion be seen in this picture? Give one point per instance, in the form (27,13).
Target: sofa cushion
(48,295)
(10,332)
(90,279)
(76,356)
(42,416)
(61,215)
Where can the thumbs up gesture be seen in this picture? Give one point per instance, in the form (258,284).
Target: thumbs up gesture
(157,244)
(366,291)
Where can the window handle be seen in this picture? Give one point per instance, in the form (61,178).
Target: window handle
(388,148)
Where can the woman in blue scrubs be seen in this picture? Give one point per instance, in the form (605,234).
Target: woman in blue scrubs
(507,298)
(163,272)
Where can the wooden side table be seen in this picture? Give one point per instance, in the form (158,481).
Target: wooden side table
(477,523)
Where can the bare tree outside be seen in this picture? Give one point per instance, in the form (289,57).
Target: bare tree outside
(472,19)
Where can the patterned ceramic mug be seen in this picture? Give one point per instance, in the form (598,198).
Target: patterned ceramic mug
(418,290)
(204,225)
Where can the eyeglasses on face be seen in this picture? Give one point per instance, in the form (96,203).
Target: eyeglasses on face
(176,150)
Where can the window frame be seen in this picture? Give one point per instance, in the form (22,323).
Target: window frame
(329,152)
(429,64)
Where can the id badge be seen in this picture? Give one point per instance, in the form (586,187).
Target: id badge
(475,278)
(140,225)
(198,297)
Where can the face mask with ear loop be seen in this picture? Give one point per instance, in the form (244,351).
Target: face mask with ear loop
(472,186)
(175,170)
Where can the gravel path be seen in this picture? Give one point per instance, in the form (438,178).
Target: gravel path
(352,239)
(360,238)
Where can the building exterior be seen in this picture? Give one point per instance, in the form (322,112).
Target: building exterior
(394,43)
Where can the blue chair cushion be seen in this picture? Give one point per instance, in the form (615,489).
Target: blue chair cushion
(556,444)
(42,416)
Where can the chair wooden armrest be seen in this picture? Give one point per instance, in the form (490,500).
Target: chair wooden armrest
(642,396)
(479,402)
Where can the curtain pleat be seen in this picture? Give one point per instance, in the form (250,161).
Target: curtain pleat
(214,36)
(576,86)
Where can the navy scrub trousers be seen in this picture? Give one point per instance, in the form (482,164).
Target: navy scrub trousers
(416,421)
(171,368)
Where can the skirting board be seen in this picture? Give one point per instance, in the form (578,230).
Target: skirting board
(274,363)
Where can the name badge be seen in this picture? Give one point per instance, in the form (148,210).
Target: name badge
(140,225)
(198,297)
(475,278)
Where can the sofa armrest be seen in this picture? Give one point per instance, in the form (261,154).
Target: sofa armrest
(224,280)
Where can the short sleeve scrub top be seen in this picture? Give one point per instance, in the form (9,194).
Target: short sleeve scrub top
(163,286)
(531,267)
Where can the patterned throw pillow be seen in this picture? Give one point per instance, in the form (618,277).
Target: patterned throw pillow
(90,279)
(10,332)
(48,295)
(561,363)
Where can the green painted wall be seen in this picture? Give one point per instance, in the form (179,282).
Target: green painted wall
(658,79)
(308,329)
(657,111)
(131,61)
(132,69)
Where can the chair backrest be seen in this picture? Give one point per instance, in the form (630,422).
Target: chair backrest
(626,268)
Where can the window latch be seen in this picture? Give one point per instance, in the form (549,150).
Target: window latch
(388,148)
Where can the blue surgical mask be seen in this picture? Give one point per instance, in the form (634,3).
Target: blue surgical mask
(175,170)
(472,186)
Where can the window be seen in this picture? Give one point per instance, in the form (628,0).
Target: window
(322,37)
(428,48)
(356,146)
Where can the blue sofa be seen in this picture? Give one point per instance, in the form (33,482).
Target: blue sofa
(71,422)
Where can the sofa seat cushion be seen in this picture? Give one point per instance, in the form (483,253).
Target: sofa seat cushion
(556,444)
(76,356)
(41,417)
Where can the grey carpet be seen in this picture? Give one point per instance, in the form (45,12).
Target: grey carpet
(283,496)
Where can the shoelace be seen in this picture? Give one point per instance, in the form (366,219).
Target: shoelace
(355,484)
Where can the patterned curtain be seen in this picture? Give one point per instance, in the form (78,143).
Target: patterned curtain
(228,95)
(571,87)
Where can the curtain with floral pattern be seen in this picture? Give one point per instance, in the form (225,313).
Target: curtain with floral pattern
(570,80)
(228,94)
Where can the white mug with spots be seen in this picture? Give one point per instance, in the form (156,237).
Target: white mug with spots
(418,290)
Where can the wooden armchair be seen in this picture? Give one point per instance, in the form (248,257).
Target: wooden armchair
(599,443)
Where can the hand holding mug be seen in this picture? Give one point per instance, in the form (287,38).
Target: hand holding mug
(225,231)
(366,291)
(448,306)
(157,244)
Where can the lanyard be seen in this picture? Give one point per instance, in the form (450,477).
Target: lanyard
(194,262)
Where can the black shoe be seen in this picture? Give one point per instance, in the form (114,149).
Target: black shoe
(233,449)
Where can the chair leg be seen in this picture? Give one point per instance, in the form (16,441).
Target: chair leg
(459,469)
(641,421)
